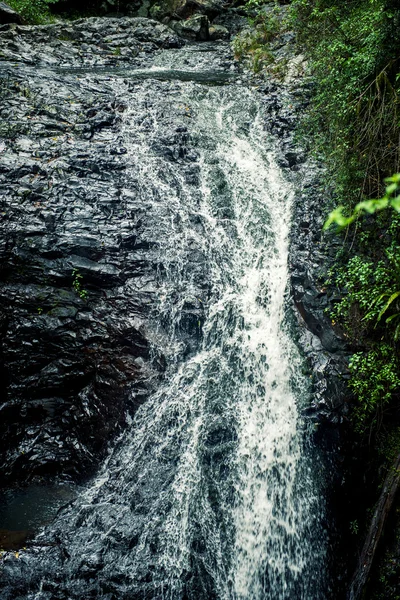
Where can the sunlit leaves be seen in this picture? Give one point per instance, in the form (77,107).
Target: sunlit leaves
(390,199)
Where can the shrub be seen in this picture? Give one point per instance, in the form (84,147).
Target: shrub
(354,118)
(374,379)
(33,11)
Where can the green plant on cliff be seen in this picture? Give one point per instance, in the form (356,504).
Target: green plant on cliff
(369,309)
(372,287)
(374,379)
(252,45)
(354,124)
(77,285)
(363,286)
(33,11)
(353,54)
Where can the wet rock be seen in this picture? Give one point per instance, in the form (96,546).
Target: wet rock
(310,261)
(72,238)
(218,32)
(9,15)
(232,20)
(81,342)
(323,344)
(87,42)
(194,28)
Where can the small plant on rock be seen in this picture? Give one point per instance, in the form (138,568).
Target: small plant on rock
(77,285)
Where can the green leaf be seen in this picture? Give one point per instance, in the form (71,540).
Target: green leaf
(395,203)
(371,206)
(396,177)
(388,303)
(390,319)
(337,217)
(391,188)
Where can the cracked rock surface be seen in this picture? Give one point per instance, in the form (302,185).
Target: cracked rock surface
(76,287)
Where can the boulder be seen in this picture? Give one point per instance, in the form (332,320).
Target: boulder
(211,8)
(194,28)
(187,8)
(218,32)
(9,15)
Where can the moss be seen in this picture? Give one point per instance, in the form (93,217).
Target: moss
(253,45)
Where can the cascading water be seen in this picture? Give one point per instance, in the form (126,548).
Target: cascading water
(209,494)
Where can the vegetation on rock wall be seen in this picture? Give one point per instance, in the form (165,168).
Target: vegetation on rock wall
(353,123)
(353,50)
(33,11)
(369,309)
(253,44)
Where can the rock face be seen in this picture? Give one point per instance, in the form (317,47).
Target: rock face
(79,268)
(310,257)
(72,245)
(71,242)
(87,42)
(9,15)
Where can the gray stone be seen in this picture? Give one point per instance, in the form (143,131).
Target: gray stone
(81,367)
(194,28)
(218,32)
(186,8)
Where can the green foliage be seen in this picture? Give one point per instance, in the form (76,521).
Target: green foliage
(354,527)
(33,11)
(77,285)
(375,377)
(390,199)
(352,48)
(369,309)
(361,283)
(354,124)
(253,44)
(369,312)
(353,53)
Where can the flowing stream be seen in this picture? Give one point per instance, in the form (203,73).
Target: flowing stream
(211,492)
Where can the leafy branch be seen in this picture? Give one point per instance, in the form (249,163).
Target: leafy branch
(390,199)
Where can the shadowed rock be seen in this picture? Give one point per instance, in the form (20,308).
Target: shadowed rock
(9,15)
(76,288)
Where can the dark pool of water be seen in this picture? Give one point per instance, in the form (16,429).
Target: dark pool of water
(24,510)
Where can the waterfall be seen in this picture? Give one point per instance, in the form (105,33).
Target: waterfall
(212,491)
